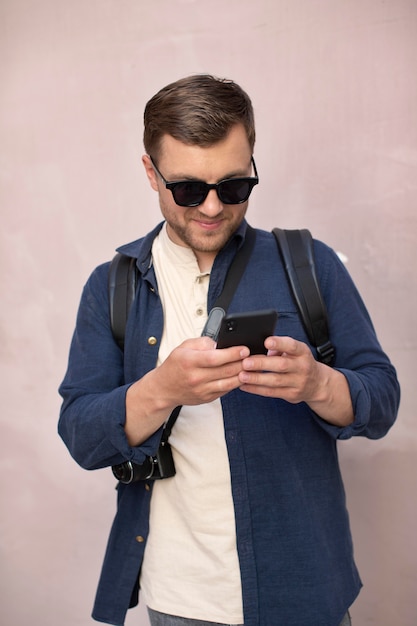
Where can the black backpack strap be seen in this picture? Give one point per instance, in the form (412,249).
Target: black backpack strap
(296,248)
(122,288)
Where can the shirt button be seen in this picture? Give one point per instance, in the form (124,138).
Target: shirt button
(140,539)
(199,311)
(152,341)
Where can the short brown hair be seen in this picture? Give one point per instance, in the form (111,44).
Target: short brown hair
(197,110)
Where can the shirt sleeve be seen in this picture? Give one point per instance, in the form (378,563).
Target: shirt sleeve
(372,379)
(93,412)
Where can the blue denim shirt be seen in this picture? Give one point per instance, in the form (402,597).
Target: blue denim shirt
(293,537)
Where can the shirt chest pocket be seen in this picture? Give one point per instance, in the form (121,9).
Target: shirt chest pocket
(289,325)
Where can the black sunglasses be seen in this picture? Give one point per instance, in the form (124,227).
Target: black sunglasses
(189,193)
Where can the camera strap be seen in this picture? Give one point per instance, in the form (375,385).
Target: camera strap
(232,279)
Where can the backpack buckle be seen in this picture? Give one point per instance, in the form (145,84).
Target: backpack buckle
(326,353)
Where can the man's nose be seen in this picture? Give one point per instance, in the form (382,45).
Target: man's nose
(212,205)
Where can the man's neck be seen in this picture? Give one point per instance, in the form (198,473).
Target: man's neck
(205,260)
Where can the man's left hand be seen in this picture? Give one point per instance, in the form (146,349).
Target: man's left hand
(290,372)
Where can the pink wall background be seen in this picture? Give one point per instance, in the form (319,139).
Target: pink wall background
(334,86)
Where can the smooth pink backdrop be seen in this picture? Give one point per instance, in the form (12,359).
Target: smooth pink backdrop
(334,87)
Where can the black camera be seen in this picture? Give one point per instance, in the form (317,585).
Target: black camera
(153,468)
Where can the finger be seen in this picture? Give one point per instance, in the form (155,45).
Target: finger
(263,379)
(200,353)
(286,345)
(198,343)
(229,355)
(270,385)
(284,393)
(271,363)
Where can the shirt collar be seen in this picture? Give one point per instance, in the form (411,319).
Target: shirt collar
(141,249)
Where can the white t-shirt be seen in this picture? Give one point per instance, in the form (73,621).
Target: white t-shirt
(191,567)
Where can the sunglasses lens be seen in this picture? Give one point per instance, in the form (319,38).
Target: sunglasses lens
(235,191)
(190,193)
(194,192)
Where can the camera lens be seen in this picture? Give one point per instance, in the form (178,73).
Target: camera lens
(231,326)
(129,472)
(123,472)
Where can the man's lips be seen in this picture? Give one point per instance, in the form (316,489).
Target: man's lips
(206,225)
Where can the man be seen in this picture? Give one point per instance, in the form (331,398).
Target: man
(252,528)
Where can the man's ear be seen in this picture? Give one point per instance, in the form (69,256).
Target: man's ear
(150,172)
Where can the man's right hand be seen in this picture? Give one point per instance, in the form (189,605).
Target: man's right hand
(194,373)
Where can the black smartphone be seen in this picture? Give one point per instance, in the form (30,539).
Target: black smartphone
(247,329)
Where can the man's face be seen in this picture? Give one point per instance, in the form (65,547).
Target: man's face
(207,227)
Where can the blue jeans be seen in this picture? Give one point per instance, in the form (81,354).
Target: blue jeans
(161,619)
